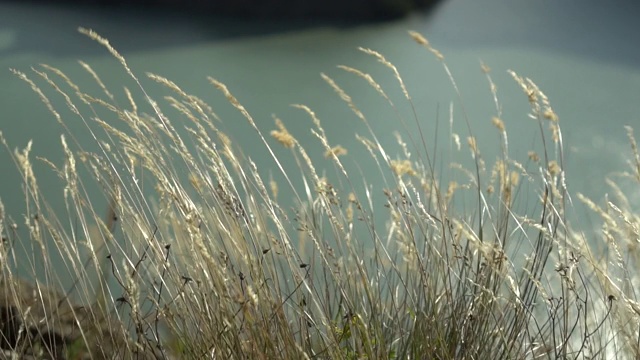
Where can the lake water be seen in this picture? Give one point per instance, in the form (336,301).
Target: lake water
(582,54)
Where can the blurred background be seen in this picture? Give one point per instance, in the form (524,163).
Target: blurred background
(583,54)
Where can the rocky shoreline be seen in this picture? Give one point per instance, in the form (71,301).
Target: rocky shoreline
(40,323)
(353,10)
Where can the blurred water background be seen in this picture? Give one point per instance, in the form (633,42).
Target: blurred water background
(583,54)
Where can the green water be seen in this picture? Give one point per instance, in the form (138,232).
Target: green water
(594,95)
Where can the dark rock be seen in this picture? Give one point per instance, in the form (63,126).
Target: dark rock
(354,10)
(36,322)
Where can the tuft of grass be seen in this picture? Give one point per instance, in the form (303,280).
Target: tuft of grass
(197,257)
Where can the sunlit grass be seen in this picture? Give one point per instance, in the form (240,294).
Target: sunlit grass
(200,256)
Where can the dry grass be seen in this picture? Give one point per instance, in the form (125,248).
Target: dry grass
(197,258)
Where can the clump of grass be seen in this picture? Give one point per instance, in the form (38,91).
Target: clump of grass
(197,257)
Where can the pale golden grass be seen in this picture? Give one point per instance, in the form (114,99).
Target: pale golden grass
(199,255)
